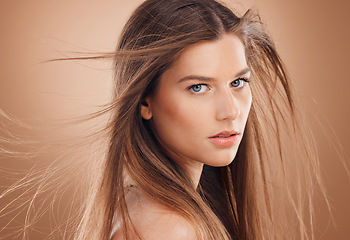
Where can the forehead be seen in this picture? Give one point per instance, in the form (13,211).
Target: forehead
(223,57)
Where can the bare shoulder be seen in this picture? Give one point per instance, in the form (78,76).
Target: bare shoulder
(154,221)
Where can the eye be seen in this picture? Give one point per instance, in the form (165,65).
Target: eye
(198,88)
(239,83)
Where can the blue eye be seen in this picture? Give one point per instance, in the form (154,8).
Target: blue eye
(239,83)
(198,88)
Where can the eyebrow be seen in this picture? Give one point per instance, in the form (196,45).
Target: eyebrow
(203,78)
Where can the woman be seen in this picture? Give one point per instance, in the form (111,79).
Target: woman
(204,138)
(196,85)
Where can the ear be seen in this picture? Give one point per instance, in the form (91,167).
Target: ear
(146,110)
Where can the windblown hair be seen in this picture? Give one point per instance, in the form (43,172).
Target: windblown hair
(263,193)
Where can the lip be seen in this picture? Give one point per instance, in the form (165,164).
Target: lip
(225,138)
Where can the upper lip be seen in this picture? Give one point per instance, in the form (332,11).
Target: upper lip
(225,134)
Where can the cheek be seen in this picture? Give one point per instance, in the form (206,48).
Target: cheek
(246,103)
(173,113)
(177,117)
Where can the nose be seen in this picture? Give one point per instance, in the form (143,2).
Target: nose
(227,106)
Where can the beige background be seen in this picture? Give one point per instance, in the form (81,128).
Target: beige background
(312,36)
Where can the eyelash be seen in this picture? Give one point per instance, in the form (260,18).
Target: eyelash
(245,80)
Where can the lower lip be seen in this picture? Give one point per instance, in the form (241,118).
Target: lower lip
(224,141)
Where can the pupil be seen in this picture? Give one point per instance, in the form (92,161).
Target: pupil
(197,88)
(236,83)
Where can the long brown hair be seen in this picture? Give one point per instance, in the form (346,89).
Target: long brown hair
(263,193)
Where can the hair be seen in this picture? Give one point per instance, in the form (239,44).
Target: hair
(251,188)
(265,193)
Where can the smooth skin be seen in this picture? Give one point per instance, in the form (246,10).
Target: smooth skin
(204,93)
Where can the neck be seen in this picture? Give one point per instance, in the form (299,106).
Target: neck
(194,173)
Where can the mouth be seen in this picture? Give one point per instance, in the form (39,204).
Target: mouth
(225,134)
(225,139)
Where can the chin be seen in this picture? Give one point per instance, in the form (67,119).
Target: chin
(224,159)
(222,162)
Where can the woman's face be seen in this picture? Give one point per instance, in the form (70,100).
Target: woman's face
(200,108)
